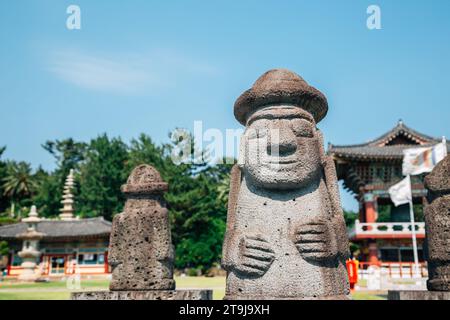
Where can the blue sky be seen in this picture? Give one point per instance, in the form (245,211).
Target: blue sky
(152,66)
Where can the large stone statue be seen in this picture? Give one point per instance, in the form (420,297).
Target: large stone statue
(286,235)
(140,250)
(437,226)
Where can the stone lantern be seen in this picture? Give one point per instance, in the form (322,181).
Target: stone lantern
(30,249)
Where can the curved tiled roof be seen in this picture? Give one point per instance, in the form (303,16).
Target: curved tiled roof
(53,229)
(380,148)
(368,152)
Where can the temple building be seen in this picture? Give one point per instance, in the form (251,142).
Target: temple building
(67,245)
(368,170)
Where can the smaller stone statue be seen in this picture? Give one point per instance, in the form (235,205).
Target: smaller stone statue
(437,226)
(141,254)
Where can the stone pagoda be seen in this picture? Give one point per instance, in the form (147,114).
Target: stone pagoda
(30,249)
(67,210)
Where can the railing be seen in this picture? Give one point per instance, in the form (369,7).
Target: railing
(386,228)
(395,269)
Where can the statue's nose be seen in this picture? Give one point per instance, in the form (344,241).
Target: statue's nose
(282,141)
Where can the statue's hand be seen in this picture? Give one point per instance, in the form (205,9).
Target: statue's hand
(255,256)
(315,240)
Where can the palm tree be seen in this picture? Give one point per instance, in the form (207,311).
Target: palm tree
(19,182)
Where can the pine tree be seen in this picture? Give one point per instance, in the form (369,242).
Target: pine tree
(4,202)
(102,173)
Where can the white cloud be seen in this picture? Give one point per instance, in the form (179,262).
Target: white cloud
(126,73)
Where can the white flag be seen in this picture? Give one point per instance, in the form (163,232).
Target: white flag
(401,192)
(420,160)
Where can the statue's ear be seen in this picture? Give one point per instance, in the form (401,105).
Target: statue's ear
(242,151)
(323,157)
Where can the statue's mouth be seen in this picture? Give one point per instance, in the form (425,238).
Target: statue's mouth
(282,160)
(280,166)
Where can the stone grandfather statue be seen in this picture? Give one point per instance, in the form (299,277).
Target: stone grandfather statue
(286,235)
(141,252)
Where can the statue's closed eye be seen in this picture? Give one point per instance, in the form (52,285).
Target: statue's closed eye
(302,128)
(257,133)
(252,133)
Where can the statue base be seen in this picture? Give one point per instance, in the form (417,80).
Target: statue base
(144,295)
(418,295)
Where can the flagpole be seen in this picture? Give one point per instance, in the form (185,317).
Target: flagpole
(413,230)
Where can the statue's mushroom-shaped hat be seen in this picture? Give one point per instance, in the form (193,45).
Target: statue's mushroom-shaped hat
(280,86)
(144,179)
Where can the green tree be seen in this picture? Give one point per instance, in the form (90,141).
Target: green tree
(199,221)
(48,198)
(384,213)
(4,201)
(102,173)
(19,183)
(350,218)
(68,154)
(418,213)
(223,178)
(197,197)
(4,250)
(144,151)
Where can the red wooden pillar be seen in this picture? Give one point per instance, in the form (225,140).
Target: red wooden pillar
(66,263)
(10,261)
(373,253)
(370,206)
(106,262)
(49,261)
(74,263)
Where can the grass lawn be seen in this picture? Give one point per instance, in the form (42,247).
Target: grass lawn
(57,290)
(369,295)
(53,284)
(35,295)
